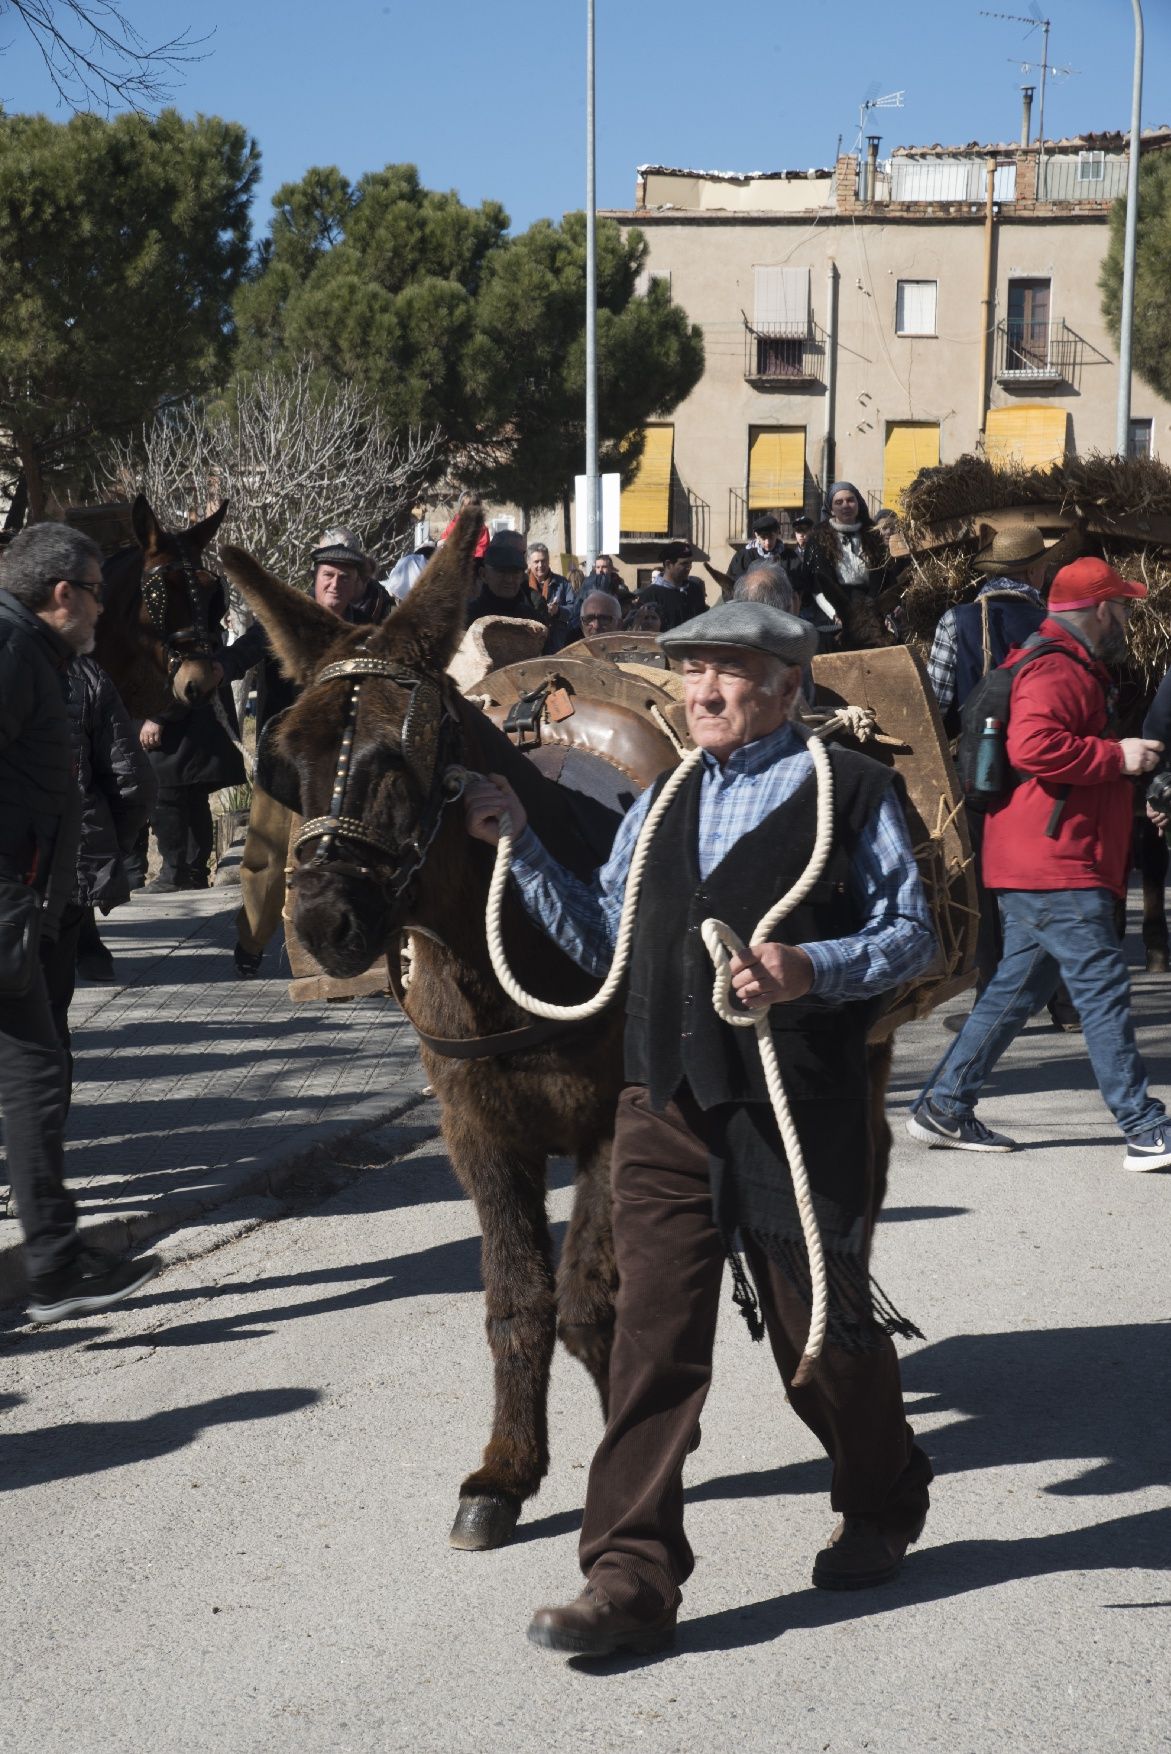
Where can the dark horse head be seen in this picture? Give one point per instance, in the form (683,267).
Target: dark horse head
(362,753)
(162,609)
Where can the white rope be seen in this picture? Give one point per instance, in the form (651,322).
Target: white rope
(721,943)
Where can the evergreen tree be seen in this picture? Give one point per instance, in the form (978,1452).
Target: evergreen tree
(122,244)
(1152,307)
(448,321)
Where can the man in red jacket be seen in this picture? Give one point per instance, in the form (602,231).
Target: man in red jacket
(1057,851)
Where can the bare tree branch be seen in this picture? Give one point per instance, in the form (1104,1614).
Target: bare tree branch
(291,456)
(94,55)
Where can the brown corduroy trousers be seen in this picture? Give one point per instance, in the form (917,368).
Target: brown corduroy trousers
(262,871)
(670,1264)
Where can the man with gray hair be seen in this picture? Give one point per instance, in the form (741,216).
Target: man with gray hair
(766,584)
(697,1155)
(50,601)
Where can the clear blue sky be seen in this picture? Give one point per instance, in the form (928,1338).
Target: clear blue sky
(488,99)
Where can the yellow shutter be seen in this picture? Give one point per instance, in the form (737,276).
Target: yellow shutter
(1030,434)
(646,503)
(776,467)
(911,445)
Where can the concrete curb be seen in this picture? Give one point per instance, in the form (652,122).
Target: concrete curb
(289,1174)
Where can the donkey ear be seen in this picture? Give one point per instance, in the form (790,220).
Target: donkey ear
(426,630)
(146,526)
(199,535)
(298,629)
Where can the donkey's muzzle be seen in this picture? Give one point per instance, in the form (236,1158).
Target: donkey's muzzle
(342,918)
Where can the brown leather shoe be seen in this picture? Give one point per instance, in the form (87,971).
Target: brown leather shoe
(864,1551)
(593,1627)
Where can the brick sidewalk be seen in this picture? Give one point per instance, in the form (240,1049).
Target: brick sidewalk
(191,1086)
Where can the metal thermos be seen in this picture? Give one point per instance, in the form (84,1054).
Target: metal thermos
(991,773)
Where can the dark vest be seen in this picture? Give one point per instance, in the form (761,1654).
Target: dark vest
(672,1030)
(1011,619)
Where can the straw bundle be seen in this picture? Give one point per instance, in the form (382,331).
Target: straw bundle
(1124,486)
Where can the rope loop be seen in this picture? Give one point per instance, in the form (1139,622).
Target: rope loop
(722,943)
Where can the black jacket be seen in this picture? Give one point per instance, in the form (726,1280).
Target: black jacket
(676,604)
(526,605)
(197,750)
(751,556)
(274,692)
(40,804)
(117,783)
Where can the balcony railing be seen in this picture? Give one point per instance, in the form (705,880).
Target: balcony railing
(781,355)
(1036,353)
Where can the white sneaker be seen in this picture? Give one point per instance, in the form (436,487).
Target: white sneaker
(961,1132)
(1150,1150)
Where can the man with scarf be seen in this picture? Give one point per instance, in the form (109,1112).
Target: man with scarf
(697,1156)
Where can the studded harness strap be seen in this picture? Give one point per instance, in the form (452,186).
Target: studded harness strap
(427,730)
(154,595)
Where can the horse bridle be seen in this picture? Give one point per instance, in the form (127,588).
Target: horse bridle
(428,730)
(154,596)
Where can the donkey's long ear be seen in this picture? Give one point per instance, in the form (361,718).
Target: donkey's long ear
(299,630)
(199,535)
(147,528)
(426,630)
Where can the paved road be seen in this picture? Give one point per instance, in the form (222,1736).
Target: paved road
(226,1508)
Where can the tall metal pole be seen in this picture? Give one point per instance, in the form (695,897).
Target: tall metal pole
(591,348)
(1126,338)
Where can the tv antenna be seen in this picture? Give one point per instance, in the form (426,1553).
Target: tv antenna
(1043,66)
(892,101)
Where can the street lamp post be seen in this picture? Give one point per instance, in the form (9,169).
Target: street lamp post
(591,338)
(1126,338)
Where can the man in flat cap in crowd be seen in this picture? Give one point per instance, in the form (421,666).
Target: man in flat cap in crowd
(763,546)
(697,1156)
(503,583)
(1057,850)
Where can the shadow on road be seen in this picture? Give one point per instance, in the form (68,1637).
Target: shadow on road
(65,1452)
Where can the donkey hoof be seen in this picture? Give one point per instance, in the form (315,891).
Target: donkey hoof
(484,1522)
(1156,961)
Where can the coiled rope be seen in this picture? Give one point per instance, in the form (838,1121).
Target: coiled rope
(722,943)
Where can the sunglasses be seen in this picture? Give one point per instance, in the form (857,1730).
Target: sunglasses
(95,591)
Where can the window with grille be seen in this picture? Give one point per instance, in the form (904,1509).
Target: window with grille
(1141,439)
(915,307)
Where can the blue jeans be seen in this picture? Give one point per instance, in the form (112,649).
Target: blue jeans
(1052,934)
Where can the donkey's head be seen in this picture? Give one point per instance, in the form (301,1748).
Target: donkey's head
(157,636)
(362,753)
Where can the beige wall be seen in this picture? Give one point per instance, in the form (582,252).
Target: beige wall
(699,193)
(882,377)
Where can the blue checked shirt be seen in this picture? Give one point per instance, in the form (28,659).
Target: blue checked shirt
(941,665)
(895,942)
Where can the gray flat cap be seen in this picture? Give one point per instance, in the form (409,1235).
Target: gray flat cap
(756,626)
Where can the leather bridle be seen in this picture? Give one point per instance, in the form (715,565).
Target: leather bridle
(428,734)
(199,643)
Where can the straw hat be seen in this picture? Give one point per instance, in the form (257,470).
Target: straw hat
(1012,549)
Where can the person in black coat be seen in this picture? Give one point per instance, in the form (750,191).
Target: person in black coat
(49,608)
(193,755)
(844,566)
(118,791)
(764,545)
(503,586)
(678,595)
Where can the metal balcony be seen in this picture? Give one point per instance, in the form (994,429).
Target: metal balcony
(780,357)
(1029,352)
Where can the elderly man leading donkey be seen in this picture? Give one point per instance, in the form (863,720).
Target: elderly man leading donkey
(698,1157)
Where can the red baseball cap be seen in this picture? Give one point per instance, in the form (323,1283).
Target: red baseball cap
(1087,582)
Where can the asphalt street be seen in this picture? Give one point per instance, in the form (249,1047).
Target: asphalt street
(225,1507)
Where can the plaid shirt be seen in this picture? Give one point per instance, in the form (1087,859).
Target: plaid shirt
(895,942)
(941,665)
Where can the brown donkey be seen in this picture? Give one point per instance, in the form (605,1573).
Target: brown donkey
(393,858)
(160,618)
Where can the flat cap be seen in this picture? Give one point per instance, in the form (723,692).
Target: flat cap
(505,556)
(757,627)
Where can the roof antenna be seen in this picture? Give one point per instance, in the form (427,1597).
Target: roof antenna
(1042,67)
(892,101)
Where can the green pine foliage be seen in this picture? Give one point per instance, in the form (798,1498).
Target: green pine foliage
(449,322)
(122,243)
(1152,306)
